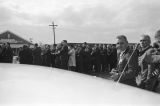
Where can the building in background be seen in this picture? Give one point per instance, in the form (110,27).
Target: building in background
(15,41)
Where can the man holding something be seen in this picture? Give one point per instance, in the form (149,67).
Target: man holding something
(127,65)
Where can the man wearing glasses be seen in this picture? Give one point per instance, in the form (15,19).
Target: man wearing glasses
(148,59)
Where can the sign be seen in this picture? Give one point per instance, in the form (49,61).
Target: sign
(8,40)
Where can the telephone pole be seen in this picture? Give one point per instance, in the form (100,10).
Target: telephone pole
(54,26)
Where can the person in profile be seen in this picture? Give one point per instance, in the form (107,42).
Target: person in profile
(127,65)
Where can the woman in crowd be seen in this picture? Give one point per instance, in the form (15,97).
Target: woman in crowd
(72,58)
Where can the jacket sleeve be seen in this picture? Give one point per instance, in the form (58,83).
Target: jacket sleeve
(63,50)
(152,58)
(151,68)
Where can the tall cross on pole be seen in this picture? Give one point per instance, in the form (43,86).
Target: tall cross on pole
(54,26)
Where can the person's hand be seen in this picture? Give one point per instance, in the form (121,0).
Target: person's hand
(146,81)
(113,71)
(155,73)
(138,80)
(115,76)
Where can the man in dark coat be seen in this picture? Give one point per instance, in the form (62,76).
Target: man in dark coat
(22,57)
(46,56)
(87,60)
(64,55)
(3,46)
(7,54)
(57,56)
(96,59)
(103,57)
(113,57)
(37,59)
(127,63)
(25,55)
(80,59)
(53,56)
(29,55)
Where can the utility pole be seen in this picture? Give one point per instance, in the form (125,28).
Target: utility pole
(54,26)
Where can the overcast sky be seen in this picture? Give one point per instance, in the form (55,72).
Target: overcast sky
(97,21)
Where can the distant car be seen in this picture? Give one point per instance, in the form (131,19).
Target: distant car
(37,85)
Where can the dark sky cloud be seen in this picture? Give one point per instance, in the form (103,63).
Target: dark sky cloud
(94,21)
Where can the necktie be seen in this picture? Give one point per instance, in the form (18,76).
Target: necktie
(120,57)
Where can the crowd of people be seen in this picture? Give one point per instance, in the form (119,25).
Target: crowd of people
(135,65)
(83,58)
(139,67)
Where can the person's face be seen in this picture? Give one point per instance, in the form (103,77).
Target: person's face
(35,46)
(54,47)
(144,42)
(46,46)
(62,43)
(104,47)
(83,45)
(7,45)
(121,44)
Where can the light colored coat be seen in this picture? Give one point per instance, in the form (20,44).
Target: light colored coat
(72,58)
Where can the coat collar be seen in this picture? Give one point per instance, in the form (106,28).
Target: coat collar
(121,56)
(125,51)
(144,50)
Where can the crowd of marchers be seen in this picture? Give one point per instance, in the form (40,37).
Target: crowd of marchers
(137,65)
(83,58)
